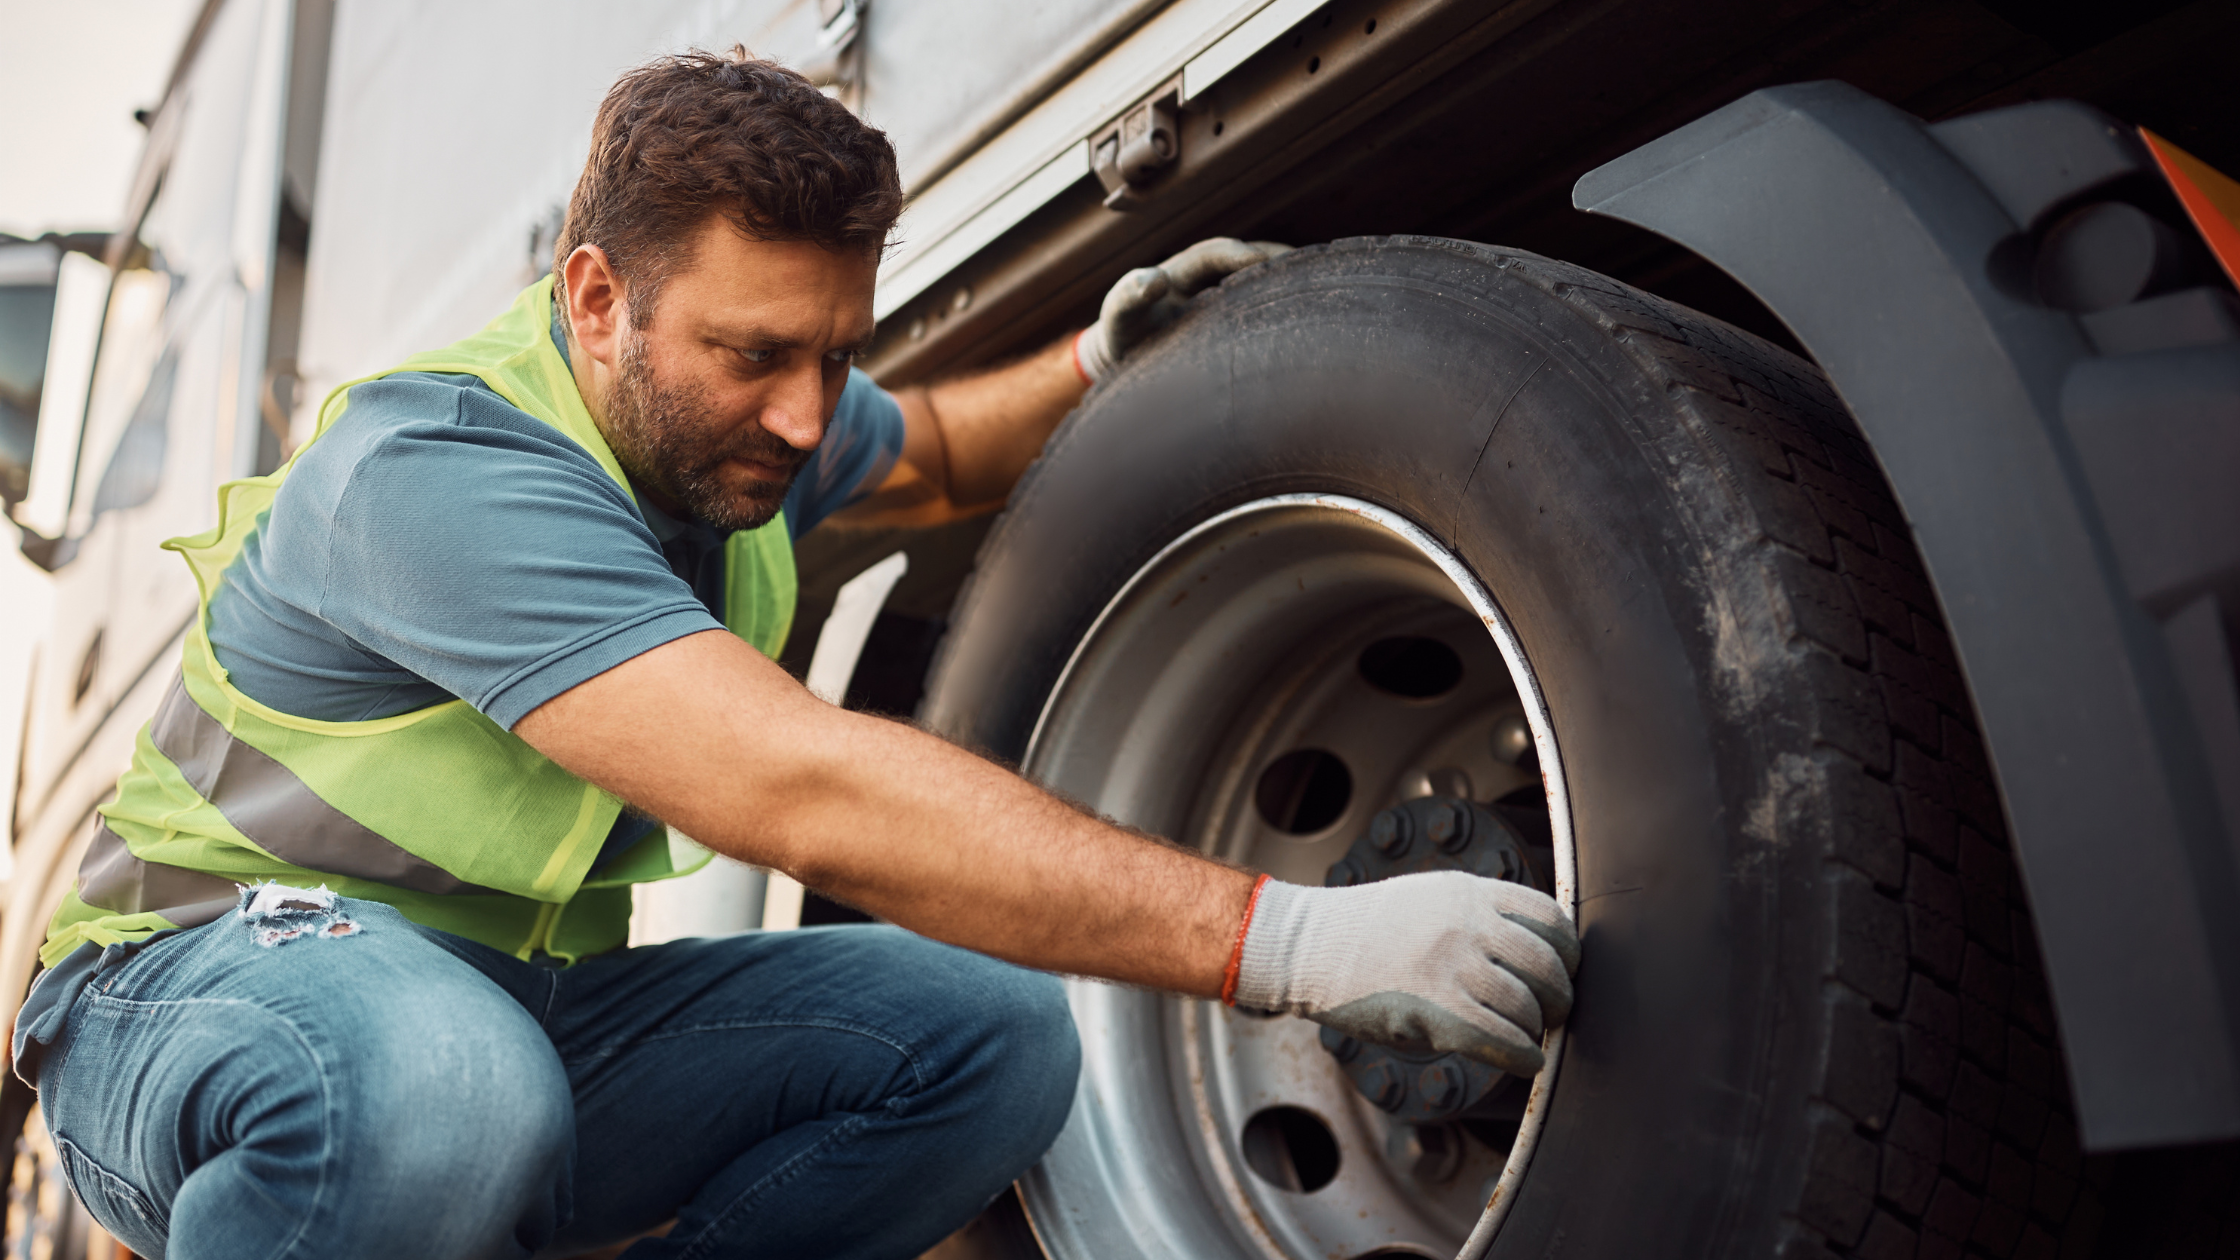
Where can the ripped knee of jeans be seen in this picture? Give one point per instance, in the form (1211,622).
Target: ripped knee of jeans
(277,914)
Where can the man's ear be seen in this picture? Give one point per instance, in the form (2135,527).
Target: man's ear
(595,307)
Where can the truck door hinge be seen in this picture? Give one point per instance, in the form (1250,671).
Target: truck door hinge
(1131,154)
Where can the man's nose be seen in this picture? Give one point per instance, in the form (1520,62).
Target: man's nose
(795,414)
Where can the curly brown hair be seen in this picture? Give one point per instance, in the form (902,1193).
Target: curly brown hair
(698,133)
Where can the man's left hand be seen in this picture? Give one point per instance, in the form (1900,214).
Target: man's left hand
(1150,298)
(967,440)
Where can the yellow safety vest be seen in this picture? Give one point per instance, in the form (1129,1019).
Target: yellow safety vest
(440,812)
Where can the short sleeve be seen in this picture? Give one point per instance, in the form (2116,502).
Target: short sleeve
(442,536)
(860,448)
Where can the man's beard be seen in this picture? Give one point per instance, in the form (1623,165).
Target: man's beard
(671,445)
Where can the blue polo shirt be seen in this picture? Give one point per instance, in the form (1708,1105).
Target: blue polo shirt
(438,542)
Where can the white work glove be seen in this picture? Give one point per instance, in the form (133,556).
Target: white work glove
(1150,298)
(1440,961)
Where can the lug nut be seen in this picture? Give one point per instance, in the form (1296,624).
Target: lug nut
(1441,1084)
(1438,823)
(1390,832)
(1382,1086)
(1448,825)
(1345,874)
(1509,861)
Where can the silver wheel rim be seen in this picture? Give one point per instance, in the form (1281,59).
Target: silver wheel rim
(1235,644)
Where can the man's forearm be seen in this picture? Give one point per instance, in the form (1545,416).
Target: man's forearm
(891,819)
(967,852)
(993,424)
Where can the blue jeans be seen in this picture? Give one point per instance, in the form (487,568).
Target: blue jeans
(398,1091)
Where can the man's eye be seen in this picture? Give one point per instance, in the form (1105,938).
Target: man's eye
(840,356)
(757,356)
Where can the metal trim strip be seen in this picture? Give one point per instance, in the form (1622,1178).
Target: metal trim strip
(1047,141)
(1246,38)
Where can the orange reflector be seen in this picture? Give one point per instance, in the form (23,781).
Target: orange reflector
(2211,197)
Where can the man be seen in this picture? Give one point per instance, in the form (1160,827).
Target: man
(344,974)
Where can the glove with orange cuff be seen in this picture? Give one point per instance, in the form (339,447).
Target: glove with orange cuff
(1441,961)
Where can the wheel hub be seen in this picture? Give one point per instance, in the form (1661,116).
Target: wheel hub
(1292,686)
(1436,833)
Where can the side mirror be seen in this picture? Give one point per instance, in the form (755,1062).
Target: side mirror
(52,294)
(27,283)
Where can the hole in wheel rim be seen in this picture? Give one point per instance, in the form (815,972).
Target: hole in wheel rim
(1304,791)
(1290,1148)
(1411,666)
(1177,742)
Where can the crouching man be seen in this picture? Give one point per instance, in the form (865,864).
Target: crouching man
(344,972)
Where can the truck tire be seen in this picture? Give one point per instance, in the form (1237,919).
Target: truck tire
(1811,1019)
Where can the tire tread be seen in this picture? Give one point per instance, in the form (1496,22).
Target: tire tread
(1947,1130)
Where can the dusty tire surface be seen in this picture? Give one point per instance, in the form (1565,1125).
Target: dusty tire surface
(1811,1019)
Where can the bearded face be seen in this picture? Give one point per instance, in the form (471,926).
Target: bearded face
(673,444)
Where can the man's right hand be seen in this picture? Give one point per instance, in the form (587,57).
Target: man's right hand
(1442,961)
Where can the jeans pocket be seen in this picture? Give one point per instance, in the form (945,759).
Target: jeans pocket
(115,1202)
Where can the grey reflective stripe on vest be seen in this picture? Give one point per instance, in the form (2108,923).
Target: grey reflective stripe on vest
(110,878)
(266,802)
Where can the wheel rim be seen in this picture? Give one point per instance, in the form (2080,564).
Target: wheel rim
(1242,642)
